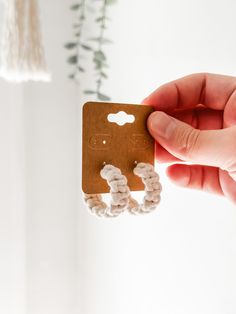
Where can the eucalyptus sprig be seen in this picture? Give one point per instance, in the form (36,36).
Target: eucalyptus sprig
(93,45)
(99,56)
(77,44)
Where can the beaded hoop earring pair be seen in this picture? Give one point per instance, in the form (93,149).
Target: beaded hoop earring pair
(121,199)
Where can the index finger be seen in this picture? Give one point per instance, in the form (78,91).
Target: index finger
(211,90)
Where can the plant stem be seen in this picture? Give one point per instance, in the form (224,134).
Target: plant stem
(80,29)
(101,36)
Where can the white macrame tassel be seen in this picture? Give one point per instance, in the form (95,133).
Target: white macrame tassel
(22,54)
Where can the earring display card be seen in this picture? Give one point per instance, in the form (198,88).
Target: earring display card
(114,134)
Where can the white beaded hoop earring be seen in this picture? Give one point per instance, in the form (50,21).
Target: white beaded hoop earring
(153,188)
(121,198)
(120,194)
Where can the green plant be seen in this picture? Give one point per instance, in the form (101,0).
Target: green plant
(93,47)
(76,45)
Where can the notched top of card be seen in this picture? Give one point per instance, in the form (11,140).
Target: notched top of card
(114,134)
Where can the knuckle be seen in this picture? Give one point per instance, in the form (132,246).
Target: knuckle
(230,164)
(187,140)
(230,152)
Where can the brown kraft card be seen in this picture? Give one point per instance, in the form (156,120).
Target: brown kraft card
(106,142)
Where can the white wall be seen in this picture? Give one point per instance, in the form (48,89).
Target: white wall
(12,199)
(178,260)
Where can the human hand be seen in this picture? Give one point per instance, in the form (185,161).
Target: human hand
(198,127)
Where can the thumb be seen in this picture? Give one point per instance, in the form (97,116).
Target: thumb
(213,148)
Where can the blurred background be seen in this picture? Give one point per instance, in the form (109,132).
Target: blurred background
(55,257)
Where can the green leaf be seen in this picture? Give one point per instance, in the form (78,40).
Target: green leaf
(72,59)
(103,40)
(75,6)
(103,97)
(81,69)
(99,55)
(70,45)
(90,92)
(86,47)
(98,63)
(100,19)
(71,76)
(104,75)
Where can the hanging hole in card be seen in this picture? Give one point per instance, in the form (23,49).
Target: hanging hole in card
(120,118)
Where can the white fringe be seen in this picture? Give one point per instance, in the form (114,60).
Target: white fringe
(22,53)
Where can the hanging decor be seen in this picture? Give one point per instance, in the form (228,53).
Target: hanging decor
(22,53)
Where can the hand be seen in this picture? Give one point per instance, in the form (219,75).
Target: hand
(198,127)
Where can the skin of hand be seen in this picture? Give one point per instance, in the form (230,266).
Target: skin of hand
(195,122)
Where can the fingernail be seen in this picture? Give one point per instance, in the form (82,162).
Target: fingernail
(161,124)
